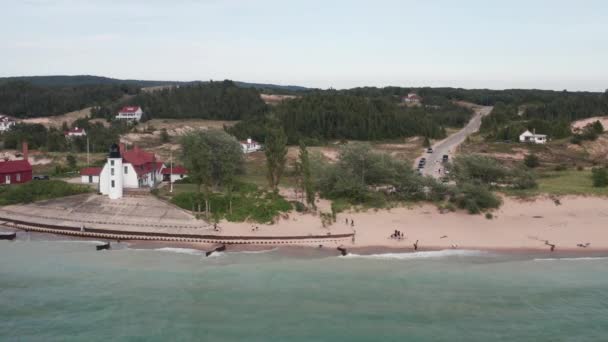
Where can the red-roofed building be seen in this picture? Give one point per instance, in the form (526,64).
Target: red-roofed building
(134,168)
(75,132)
(412,98)
(175,173)
(90,174)
(130,113)
(16,171)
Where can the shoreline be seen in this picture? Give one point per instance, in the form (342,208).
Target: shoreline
(519,227)
(327,250)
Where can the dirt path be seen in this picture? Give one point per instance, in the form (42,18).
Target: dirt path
(448,145)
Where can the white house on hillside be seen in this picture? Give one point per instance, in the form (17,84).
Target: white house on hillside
(125,169)
(529,137)
(250,145)
(75,132)
(6,122)
(130,113)
(412,98)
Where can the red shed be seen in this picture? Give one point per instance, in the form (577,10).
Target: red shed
(16,171)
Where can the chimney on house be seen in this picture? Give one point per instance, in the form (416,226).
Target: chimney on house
(24,150)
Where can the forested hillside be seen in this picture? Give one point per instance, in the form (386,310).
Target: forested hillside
(22,99)
(80,80)
(332,115)
(210,100)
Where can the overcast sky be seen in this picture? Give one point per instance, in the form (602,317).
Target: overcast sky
(319,43)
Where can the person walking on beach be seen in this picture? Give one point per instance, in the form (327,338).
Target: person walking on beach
(416,245)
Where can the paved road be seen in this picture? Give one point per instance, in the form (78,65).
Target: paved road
(449,144)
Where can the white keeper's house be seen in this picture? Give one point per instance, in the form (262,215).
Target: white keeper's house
(250,145)
(6,122)
(125,169)
(130,113)
(529,137)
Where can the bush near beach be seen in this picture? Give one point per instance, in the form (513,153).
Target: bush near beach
(249,203)
(39,190)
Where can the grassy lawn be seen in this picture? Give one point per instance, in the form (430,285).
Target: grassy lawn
(571,182)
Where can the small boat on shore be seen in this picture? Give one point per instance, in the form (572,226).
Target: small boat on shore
(102,247)
(218,249)
(8,236)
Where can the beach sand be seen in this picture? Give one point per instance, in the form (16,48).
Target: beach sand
(517,225)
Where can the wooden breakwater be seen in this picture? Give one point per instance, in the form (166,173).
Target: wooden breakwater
(171,237)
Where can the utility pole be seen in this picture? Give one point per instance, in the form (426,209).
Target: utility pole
(88,159)
(171,172)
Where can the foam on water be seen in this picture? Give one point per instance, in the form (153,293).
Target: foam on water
(418,255)
(571,259)
(190,251)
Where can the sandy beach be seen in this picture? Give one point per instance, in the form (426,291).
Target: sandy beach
(519,225)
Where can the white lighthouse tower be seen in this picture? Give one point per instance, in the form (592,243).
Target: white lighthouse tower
(111,177)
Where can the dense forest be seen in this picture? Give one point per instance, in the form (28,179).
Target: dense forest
(22,99)
(210,100)
(332,115)
(54,140)
(552,117)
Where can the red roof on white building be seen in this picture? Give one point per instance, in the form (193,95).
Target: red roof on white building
(90,171)
(177,170)
(75,130)
(129,109)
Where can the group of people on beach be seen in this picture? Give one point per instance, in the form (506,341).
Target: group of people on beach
(398,235)
(352,222)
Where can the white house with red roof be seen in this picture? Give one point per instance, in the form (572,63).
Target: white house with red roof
(90,175)
(175,173)
(130,113)
(75,132)
(250,145)
(125,169)
(412,98)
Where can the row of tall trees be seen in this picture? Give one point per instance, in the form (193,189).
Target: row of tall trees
(53,139)
(210,100)
(321,117)
(23,99)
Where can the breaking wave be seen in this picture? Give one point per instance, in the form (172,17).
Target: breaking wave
(419,255)
(571,259)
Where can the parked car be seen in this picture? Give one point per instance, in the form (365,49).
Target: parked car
(429,150)
(445,158)
(41,177)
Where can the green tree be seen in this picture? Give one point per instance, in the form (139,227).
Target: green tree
(164,136)
(426,143)
(71,161)
(303,167)
(276,152)
(531,161)
(196,157)
(226,160)
(599,175)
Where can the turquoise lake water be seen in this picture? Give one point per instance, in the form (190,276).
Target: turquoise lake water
(65,290)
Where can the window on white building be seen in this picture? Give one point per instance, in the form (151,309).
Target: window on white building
(18,177)
(112,172)
(112,183)
(126,169)
(111,163)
